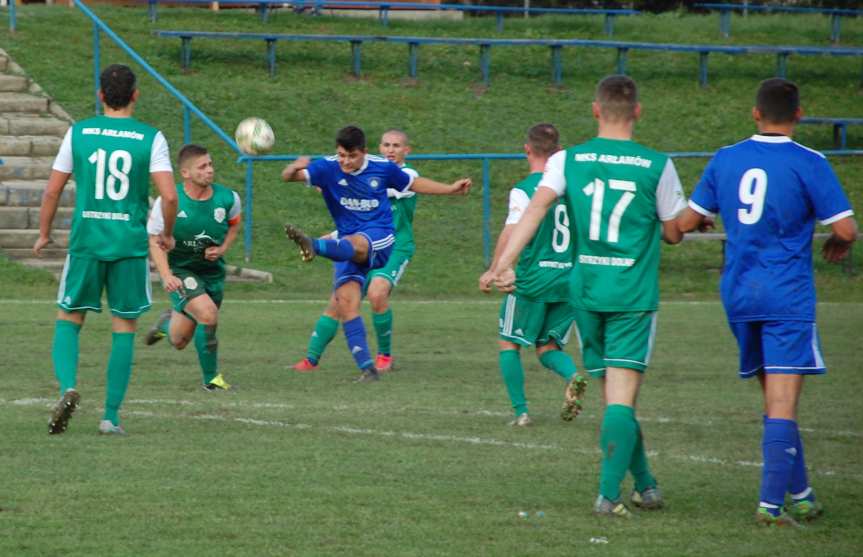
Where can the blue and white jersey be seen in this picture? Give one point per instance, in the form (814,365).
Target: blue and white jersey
(769,192)
(358,200)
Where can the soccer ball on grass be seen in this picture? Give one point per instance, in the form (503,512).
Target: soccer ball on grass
(254,136)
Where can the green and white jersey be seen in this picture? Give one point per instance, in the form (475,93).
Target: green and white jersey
(199,225)
(617,192)
(404,205)
(112,159)
(543,270)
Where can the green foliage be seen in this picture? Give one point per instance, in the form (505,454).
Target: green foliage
(447,110)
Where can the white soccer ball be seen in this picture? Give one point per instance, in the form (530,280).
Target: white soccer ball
(254,136)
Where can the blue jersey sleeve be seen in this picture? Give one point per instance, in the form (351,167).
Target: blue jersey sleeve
(704,199)
(398,178)
(826,194)
(319,172)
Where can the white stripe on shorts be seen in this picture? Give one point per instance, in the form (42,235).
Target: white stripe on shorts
(816,350)
(61,291)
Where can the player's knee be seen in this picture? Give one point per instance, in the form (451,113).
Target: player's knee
(209,316)
(179,341)
(378,296)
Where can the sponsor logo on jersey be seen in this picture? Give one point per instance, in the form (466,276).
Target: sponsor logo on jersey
(182,214)
(219,214)
(343,182)
(190,283)
(374,183)
(359,204)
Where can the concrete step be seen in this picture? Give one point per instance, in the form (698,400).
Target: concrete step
(13,83)
(26,238)
(18,123)
(22,102)
(28,193)
(22,218)
(53,265)
(27,253)
(29,145)
(4,63)
(25,168)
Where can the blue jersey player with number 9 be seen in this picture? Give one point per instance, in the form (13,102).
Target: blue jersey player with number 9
(769,191)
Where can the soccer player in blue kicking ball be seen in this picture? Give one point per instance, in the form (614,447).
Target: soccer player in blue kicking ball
(354,186)
(769,192)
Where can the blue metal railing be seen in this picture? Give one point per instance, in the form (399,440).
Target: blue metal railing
(12,16)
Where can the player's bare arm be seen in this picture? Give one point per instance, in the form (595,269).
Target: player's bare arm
(541,201)
(487,277)
(837,245)
(50,199)
(295,172)
(168,192)
(160,260)
(213,253)
(425,185)
(671,233)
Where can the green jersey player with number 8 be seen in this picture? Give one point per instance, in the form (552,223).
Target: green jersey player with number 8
(113,158)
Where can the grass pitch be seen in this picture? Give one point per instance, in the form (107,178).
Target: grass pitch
(421,463)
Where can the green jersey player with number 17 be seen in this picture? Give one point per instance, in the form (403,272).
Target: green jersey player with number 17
(538,313)
(622,198)
(113,158)
(208,220)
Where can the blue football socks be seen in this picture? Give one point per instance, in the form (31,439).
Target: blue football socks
(337,250)
(355,334)
(779,447)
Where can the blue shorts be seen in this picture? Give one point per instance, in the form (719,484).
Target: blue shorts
(778,347)
(381,242)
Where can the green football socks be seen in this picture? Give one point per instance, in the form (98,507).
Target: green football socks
(513,378)
(119,373)
(383,323)
(638,465)
(207,346)
(617,439)
(64,354)
(325,330)
(559,362)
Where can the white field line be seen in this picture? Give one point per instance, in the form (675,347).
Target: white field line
(455,439)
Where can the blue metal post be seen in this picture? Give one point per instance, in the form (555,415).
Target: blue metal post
(187,125)
(485,62)
(486,211)
(843,136)
(151,10)
(185,52)
(264,11)
(12,23)
(556,67)
(835,27)
(781,64)
(412,59)
(725,23)
(499,18)
(97,65)
(271,56)
(384,15)
(609,24)
(247,225)
(356,52)
(621,60)
(702,68)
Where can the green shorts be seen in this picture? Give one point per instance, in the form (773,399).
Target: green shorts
(194,286)
(394,269)
(616,339)
(127,282)
(528,323)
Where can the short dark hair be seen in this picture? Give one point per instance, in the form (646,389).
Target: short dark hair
(617,96)
(117,83)
(188,152)
(351,138)
(777,100)
(543,139)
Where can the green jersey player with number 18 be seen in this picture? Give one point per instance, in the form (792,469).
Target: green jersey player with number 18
(208,220)
(622,198)
(113,158)
(538,313)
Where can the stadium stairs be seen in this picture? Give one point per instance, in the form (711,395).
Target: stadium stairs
(32,127)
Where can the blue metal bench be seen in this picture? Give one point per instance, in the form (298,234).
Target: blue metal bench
(263,7)
(840,125)
(726,9)
(555,45)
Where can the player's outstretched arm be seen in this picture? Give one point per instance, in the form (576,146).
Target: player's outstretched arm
(428,186)
(168,192)
(488,277)
(296,171)
(523,232)
(160,259)
(837,245)
(50,199)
